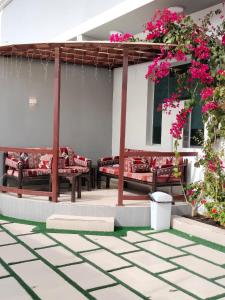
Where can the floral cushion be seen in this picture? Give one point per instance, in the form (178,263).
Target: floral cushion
(136,164)
(105,161)
(162,161)
(114,170)
(45,162)
(74,169)
(12,162)
(14,155)
(30,172)
(30,160)
(68,154)
(146,177)
(80,160)
(63,152)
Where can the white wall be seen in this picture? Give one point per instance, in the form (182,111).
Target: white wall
(140,91)
(25,21)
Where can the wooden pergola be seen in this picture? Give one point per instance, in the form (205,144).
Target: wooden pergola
(98,54)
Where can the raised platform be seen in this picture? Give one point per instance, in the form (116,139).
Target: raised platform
(80,223)
(97,203)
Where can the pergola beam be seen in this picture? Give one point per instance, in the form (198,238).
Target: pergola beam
(123,127)
(56,122)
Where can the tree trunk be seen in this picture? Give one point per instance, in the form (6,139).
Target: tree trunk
(194,211)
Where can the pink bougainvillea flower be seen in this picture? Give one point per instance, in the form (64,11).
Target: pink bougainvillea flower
(212,166)
(223,40)
(158,70)
(172,102)
(206,93)
(116,37)
(160,22)
(209,106)
(214,210)
(180,56)
(221,72)
(200,71)
(190,192)
(201,51)
(181,119)
(203,201)
(193,202)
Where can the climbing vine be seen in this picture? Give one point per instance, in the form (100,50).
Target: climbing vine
(203,47)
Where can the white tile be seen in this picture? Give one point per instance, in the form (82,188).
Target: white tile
(114,244)
(200,266)
(3,222)
(37,240)
(3,271)
(58,255)
(11,289)
(221,281)
(146,231)
(172,239)
(149,261)
(74,241)
(15,253)
(160,249)
(202,251)
(86,276)
(105,260)
(134,237)
(142,281)
(193,284)
(5,239)
(46,283)
(115,293)
(17,228)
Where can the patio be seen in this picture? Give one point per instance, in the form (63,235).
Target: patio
(95,203)
(143,264)
(97,54)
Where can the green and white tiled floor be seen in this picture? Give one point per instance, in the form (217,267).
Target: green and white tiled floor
(142,265)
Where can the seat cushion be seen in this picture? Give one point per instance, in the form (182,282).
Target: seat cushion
(114,170)
(30,172)
(146,177)
(74,169)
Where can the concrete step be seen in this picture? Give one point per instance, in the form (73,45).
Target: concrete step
(83,223)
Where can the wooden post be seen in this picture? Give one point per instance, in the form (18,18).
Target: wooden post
(123,126)
(56,121)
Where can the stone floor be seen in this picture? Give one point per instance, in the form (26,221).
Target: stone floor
(142,265)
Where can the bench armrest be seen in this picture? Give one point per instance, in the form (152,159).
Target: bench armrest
(82,161)
(105,161)
(14,163)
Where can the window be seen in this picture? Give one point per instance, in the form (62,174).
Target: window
(164,89)
(193,134)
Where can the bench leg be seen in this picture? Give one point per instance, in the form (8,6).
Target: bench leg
(153,188)
(73,190)
(89,182)
(79,187)
(99,178)
(4,181)
(19,187)
(107,182)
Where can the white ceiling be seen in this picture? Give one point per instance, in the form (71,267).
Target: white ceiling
(134,21)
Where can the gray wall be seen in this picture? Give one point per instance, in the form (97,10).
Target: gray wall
(86,106)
